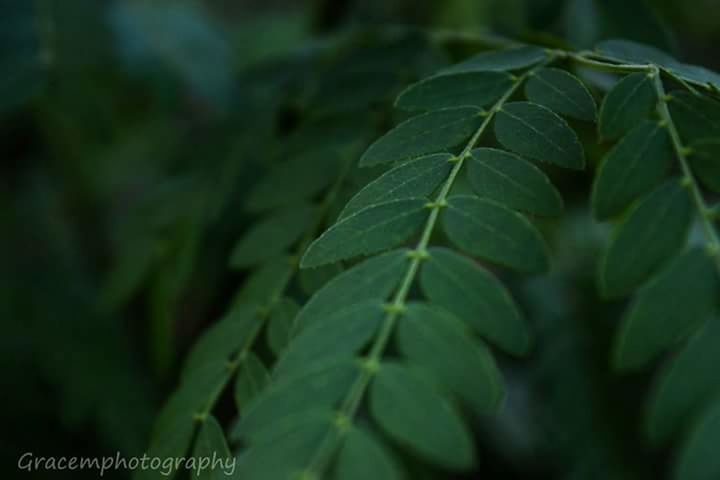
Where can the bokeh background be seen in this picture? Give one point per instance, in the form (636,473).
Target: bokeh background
(130,131)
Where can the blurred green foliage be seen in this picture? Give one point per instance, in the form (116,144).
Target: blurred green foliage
(132,131)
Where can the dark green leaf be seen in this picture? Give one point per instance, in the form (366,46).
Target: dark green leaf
(491,231)
(313,279)
(296,180)
(634,52)
(510,180)
(685,384)
(536,132)
(667,309)
(438,342)
(210,446)
(417,178)
(653,232)
(430,132)
(626,104)
(266,282)
(561,92)
(705,162)
(281,324)
(473,294)
(251,379)
(226,337)
(363,456)
(341,333)
(697,117)
(698,458)
(373,229)
(373,278)
(500,60)
(632,168)
(443,91)
(272,236)
(409,409)
(319,385)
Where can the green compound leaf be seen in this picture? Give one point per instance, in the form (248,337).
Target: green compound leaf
(373,229)
(373,278)
(705,162)
(281,323)
(477,89)
(416,178)
(634,166)
(339,334)
(493,232)
(696,117)
(667,309)
(500,60)
(414,414)
(437,341)
(363,456)
(698,458)
(536,132)
(508,179)
(210,446)
(475,296)
(224,338)
(685,384)
(561,92)
(626,104)
(252,377)
(634,52)
(272,236)
(319,385)
(653,232)
(430,132)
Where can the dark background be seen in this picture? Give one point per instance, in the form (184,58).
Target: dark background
(129,131)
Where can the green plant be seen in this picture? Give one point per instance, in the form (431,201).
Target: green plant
(360,352)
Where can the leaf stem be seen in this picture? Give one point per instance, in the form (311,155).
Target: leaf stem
(681,152)
(397,306)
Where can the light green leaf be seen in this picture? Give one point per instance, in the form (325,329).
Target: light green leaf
(536,132)
(500,60)
(626,104)
(477,89)
(373,229)
(410,410)
(632,168)
(430,132)
(281,324)
(697,117)
(252,377)
(698,458)
(667,309)
(685,384)
(473,294)
(653,232)
(363,456)
(295,180)
(341,333)
(272,236)
(227,336)
(705,162)
(508,179)
(417,178)
(490,231)
(561,92)
(373,278)
(210,445)
(435,340)
(319,385)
